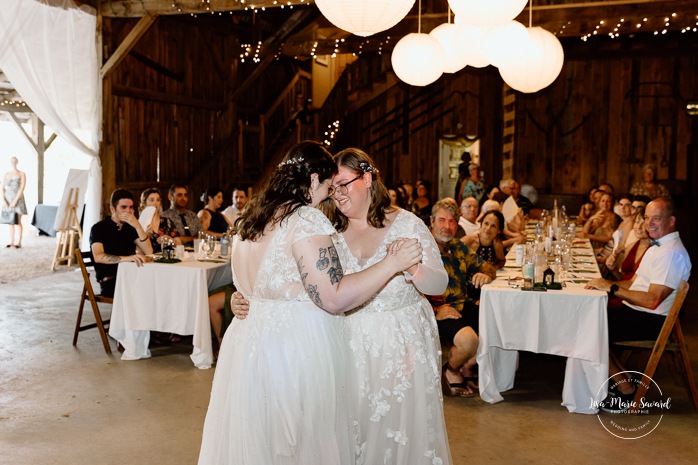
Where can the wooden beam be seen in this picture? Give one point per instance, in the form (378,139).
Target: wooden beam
(129,42)
(284,32)
(142,94)
(138,8)
(19,125)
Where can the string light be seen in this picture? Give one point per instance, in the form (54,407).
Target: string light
(330,132)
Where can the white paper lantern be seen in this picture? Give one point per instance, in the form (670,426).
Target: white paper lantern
(538,66)
(505,43)
(487,12)
(364,17)
(471,44)
(418,59)
(446,35)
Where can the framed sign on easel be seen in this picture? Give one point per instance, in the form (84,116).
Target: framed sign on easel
(67,226)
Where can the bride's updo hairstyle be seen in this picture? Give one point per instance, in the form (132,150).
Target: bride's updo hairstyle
(287,189)
(358,161)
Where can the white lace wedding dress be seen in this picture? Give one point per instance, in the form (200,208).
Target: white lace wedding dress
(279,393)
(394,357)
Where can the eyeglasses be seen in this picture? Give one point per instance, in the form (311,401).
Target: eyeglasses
(625,204)
(330,189)
(342,188)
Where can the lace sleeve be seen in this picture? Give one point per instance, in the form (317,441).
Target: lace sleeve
(431,277)
(311,222)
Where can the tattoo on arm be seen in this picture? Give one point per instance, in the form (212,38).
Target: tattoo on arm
(336,272)
(323,262)
(112,258)
(314,295)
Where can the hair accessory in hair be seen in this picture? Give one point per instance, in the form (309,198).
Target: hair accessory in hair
(367,167)
(291,161)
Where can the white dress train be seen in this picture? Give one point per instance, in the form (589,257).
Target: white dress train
(279,393)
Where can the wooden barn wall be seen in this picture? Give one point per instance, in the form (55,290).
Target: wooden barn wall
(609,112)
(169,97)
(401,128)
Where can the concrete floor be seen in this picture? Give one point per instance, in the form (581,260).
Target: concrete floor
(66,405)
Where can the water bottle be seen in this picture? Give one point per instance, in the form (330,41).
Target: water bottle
(225,245)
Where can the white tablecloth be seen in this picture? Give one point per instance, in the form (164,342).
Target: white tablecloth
(570,322)
(171,298)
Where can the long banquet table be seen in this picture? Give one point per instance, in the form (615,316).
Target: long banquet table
(171,298)
(570,322)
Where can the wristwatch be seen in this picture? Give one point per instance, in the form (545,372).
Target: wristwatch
(613,290)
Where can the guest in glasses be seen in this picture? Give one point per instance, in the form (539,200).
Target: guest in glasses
(638,306)
(281,389)
(186,222)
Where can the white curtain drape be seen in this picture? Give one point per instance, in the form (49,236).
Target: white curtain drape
(48,52)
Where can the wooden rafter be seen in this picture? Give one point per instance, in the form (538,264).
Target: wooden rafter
(138,8)
(129,42)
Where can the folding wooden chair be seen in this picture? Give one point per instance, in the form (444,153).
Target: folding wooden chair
(85,260)
(670,339)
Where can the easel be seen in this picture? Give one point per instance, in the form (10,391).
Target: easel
(70,233)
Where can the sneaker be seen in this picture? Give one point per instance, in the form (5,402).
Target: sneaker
(617,402)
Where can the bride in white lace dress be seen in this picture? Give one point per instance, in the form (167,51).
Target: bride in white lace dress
(278,394)
(393,344)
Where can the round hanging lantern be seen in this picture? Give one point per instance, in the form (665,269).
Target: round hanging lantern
(418,59)
(471,44)
(505,43)
(539,65)
(487,12)
(364,17)
(446,35)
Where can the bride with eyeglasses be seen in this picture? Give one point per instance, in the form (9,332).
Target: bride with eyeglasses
(392,340)
(279,393)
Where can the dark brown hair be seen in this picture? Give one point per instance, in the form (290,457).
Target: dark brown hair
(287,188)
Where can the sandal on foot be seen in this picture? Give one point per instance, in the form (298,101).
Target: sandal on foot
(455,389)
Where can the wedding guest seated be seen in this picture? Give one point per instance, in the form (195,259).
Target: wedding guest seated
(522,201)
(457,314)
(514,227)
(118,238)
(585,212)
(622,232)
(599,229)
(649,186)
(487,241)
(637,307)
(239,201)
(186,222)
(159,228)
(468,215)
(421,206)
(622,263)
(212,221)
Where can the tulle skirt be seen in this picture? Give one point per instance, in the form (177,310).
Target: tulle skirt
(279,393)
